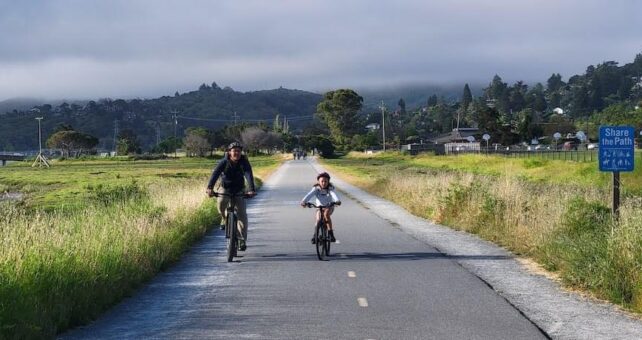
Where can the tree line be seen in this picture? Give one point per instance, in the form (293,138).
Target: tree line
(510,113)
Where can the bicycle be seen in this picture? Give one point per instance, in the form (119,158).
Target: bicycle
(231,220)
(321,237)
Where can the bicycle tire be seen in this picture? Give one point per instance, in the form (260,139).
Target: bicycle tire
(231,241)
(327,242)
(319,242)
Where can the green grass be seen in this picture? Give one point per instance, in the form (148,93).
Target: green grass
(537,170)
(554,212)
(89,233)
(67,184)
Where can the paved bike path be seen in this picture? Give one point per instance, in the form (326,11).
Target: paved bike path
(559,313)
(381,283)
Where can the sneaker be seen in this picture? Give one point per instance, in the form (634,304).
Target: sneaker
(314,240)
(222,226)
(242,245)
(332,239)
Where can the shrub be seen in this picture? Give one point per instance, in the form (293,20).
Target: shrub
(579,248)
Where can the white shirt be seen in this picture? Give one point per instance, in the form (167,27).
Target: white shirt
(321,196)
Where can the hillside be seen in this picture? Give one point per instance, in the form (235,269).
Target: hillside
(209,106)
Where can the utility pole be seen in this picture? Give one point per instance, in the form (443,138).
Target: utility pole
(175,137)
(383,123)
(40,159)
(158,135)
(115,135)
(235,118)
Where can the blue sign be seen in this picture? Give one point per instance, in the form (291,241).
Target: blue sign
(616,148)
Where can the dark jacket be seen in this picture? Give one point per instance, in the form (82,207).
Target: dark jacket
(233,176)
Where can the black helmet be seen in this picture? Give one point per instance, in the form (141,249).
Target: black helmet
(323,174)
(234,145)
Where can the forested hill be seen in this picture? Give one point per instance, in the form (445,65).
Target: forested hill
(209,106)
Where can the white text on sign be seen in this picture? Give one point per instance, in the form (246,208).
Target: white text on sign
(618,137)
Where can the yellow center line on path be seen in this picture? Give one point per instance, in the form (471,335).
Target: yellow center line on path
(352,274)
(362,302)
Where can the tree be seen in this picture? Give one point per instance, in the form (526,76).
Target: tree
(276,126)
(498,91)
(196,145)
(127,143)
(516,96)
(168,145)
(362,142)
(466,98)
(321,143)
(524,124)
(255,139)
(554,83)
(252,139)
(432,101)
(72,142)
(402,105)
(489,122)
(340,110)
(536,99)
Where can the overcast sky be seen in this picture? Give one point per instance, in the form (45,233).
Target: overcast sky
(129,48)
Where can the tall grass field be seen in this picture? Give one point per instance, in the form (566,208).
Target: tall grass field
(553,211)
(85,234)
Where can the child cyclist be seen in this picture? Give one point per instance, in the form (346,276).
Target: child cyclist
(323,194)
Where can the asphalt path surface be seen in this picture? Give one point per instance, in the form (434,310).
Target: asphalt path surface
(379,283)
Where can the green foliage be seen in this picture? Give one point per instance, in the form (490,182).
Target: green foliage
(196,142)
(466,98)
(530,163)
(340,111)
(143,117)
(61,268)
(519,204)
(322,143)
(168,145)
(71,141)
(127,143)
(365,141)
(108,195)
(579,249)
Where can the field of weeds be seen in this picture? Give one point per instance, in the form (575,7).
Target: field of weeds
(86,234)
(555,212)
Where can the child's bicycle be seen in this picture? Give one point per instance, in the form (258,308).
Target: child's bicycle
(321,237)
(231,220)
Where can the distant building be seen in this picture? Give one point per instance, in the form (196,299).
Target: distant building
(373,126)
(455,136)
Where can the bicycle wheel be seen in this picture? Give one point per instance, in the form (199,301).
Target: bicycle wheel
(327,242)
(319,241)
(231,241)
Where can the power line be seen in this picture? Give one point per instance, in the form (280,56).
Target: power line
(305,117)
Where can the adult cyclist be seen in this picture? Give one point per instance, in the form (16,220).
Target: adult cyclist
(236,175)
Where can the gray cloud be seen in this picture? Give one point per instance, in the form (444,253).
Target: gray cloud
(74,48)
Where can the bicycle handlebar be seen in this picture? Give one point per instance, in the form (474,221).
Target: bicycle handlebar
(244,195)
(312,205)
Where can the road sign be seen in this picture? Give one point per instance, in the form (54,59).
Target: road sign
(616,148)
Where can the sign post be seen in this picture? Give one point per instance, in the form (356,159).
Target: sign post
(617,154)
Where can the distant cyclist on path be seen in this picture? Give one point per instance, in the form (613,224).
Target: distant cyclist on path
(235,172)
